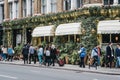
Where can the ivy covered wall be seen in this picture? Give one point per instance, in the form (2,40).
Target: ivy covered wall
(88,16)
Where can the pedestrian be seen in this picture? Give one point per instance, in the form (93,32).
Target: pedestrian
(109,55)
(31,54)
(35,55)
(53,52)
(1,52)
(5,53)
(10,52)
(117,55)
(25,53)
(82,54)
(40,54)
(47,53)
(94,55)
(99,55)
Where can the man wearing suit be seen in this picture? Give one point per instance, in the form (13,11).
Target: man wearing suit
(109,54)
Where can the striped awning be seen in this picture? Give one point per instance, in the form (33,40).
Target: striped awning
(109,27)
(68,29)
(43,31)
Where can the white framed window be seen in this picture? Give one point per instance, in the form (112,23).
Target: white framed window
(32,7)
(79,3)
(1,12)
(10,10)
(16,9)
(53,6)
(24,8)
(43,6)
(108,2)
(67,4)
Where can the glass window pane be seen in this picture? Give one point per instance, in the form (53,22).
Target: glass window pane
(105,38)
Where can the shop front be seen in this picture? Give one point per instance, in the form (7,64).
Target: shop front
(43,34)
(109,31)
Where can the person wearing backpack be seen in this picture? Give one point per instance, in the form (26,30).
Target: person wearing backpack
(82,54)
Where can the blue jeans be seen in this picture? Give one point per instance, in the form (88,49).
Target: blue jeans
(118,62)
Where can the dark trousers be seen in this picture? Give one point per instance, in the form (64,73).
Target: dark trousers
(25,58)
(95,60)
(31,57)
(53,61)
(109,62)
(82,62)
(10,57)
(48,60)
(35,58)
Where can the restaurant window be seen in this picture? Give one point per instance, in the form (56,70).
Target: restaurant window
(71,38)
(105,38)
(115,38)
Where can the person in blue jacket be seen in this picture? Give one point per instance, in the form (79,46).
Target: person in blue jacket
(10,53)
(82,54)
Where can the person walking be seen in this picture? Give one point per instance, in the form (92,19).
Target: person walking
(117,55)
(109,54)
(40,54)
(82,54)
(53,52)
(31,54)
(94,55)
(5,53)
(25,53)
(10,53)
(35,55)
(47,53)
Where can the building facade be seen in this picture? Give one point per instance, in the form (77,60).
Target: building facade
(18,9)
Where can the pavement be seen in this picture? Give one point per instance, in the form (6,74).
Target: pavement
(100,70)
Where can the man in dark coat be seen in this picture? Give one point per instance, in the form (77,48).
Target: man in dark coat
(25,52)
(109,54)
(53,52)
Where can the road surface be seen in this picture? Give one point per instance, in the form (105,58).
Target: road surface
(15,72)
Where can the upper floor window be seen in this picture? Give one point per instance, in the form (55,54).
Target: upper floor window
(53,5)
(108,2)
(10,11)
(32,7)
(2,12)
(67,4)
(43,6)
(79,3)
(16,9)
(118,1)
(24,8)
